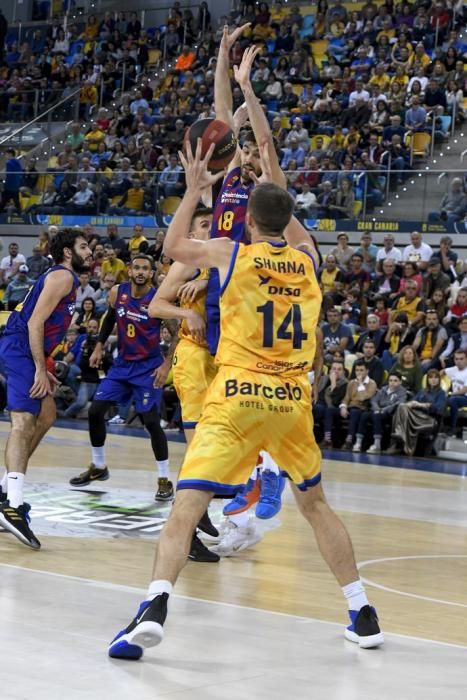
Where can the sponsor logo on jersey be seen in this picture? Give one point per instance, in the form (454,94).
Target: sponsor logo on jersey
(287,392)
(121,312)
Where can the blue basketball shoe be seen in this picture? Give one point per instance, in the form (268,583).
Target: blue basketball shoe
(145,630)
(270,503)
(364,628)
(245,498)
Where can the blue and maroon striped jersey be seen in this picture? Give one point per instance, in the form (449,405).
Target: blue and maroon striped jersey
(228,222)
(138,334)
(59,320)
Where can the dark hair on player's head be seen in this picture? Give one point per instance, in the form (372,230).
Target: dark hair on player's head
(271,207)
(142,256)
(64,238)
(250,137)
(201,211)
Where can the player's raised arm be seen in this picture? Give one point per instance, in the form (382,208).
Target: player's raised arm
(57,285)
(223,102)
(258,120)
(177,245)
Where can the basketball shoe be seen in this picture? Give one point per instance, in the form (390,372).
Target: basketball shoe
(207,527)
(364,629)
(145,630)
(92,473)
(270,503)
(16,521)
(200,553)
(165,490)
(246,497)
(235,539)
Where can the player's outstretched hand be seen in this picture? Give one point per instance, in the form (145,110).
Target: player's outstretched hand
(161,373)
(97,356)
(266,169)
(188,292)
(228,40)
(197,175)
(196,326)
(243,71)
(44,384)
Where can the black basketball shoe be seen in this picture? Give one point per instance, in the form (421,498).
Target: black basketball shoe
(92,473)
(198,552)
(145,630)
(16,521)
(206,526)
(364,628)
(165,490)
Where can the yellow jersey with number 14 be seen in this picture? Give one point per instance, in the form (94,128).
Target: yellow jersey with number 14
(270,306)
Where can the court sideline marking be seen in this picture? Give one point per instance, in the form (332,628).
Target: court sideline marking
(306,620)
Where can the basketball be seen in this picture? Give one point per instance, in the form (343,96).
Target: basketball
(213,131)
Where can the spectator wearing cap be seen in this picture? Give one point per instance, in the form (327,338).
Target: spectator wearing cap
(418,251)
(434,278)
(17,288)
(430,340)
(453,205)
(37,263)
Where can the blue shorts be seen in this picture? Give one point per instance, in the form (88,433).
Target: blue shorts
(19,368)
(131,379)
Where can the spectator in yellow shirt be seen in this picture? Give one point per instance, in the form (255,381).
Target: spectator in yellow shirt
(380,79)
(113,266)
(137,240)
(132,202)
(94,137)
(87,98)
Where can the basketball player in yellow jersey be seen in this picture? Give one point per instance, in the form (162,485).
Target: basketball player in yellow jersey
(259,400)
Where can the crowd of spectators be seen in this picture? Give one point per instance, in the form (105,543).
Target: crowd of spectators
(394,345)
(344,91)
(394,326)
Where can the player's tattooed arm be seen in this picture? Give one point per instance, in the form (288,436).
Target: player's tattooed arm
(258,120)
(56,286)
(163,304)
(161,373)
(107,326)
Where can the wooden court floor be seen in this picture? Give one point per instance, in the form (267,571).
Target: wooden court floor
(409,530)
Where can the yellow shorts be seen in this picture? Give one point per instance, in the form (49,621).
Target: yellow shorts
(246,412)
(193,372)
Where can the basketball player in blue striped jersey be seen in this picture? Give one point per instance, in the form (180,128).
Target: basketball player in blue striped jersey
(33,331)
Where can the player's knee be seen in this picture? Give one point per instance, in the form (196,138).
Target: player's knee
(311,502)
(151,421)
(22,421)
(97,411)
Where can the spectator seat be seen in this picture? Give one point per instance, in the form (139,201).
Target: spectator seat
(170,205)
(419,144)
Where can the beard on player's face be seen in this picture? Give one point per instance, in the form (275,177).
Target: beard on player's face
(80,263)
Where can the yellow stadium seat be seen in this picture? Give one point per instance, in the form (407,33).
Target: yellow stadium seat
(319,47)
(154,57)
(445,382)
(419,145)
(357,207)
(297,89)
(170,205)
(42,182)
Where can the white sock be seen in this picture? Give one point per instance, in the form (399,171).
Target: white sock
(269,463)
(377,442)
(98,456)
(4,482)
(15,489)
(240,519)
(163,468)
(158,587)
(355,594)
